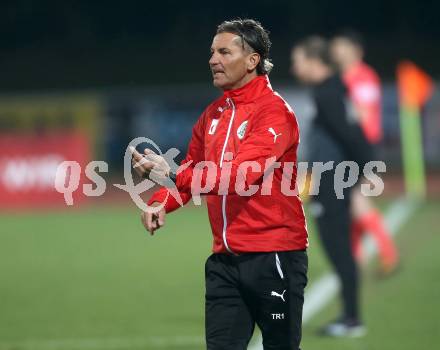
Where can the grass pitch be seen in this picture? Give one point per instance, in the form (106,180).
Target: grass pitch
(92,279)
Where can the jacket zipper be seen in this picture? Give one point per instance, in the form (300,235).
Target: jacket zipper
(225,220)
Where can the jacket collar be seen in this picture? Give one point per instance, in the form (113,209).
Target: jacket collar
(257,87)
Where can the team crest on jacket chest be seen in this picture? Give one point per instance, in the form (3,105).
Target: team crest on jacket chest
(242,129)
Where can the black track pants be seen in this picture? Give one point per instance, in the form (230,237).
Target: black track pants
(262,288)
(333,219)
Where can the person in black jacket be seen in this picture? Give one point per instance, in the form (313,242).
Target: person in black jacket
(333,137)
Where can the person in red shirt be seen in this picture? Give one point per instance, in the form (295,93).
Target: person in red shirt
(364,90)
(333,140)
(258,270)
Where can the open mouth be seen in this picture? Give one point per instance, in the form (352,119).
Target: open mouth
(217,72)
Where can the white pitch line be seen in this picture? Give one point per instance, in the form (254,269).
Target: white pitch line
(323,291)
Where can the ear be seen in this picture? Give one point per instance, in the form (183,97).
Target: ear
(253,61)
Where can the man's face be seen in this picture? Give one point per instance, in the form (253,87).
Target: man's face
(230,63)
(343,51)
(301,66)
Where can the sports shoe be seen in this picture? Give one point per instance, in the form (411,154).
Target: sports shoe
(344,328)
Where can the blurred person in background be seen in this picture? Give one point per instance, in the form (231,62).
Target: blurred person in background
(332,138)
(258,271)
(364,90)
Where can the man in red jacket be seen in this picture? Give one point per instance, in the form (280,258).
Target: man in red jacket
(364,90)
(242,156)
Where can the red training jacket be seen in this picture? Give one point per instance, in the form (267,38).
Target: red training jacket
(252,123)
(363,85)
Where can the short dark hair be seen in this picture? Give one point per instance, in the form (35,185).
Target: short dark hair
(316,47)
(254,35)
(351,36)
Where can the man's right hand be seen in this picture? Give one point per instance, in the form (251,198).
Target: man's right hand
(153,221)
(140,164)
(151,166)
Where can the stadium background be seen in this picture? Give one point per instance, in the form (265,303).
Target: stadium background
(79,80)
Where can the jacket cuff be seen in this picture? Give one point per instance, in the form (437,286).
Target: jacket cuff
(160,196)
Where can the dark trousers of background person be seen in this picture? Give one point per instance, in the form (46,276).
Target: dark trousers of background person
(266,289)
(333,219)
